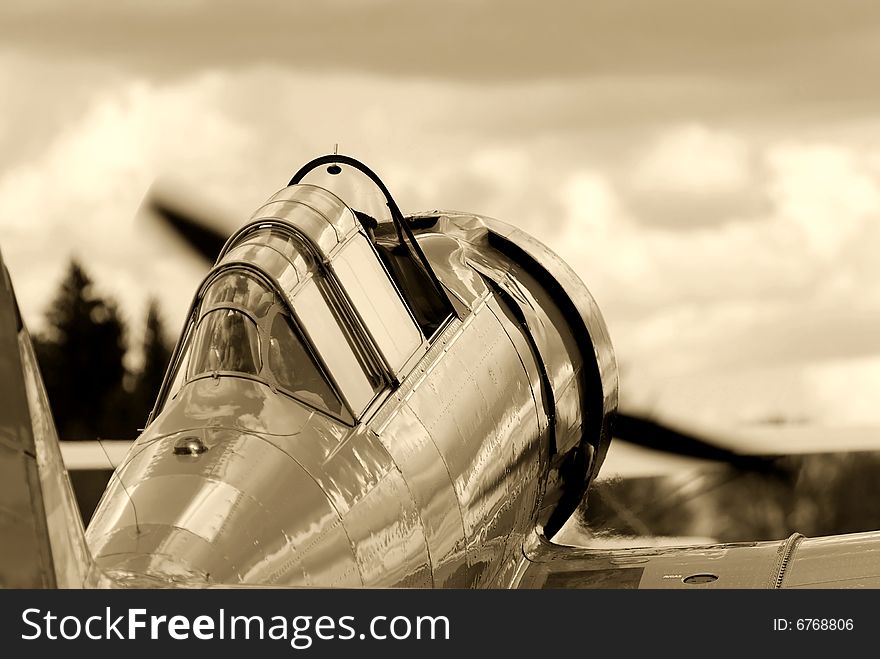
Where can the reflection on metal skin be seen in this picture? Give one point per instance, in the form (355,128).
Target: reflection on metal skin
(745,565)
(851,560)
(427,476)
(72,566)
(529,262)
(481,375)
(570,342)
(27,562)
(243,512)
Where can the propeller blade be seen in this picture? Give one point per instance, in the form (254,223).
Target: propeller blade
(203,228)
(657,436)
(204,240)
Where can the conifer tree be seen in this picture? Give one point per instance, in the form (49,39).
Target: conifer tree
(81,356)
(157,354)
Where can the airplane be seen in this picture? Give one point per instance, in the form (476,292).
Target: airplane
(360,398)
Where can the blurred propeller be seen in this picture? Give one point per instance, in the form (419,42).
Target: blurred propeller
(657,436)
(202,229)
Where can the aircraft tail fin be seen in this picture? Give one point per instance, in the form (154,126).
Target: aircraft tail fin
(44,542)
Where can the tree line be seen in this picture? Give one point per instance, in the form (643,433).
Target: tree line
(82,352)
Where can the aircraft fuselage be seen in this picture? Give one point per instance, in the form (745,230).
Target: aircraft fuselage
(456,428)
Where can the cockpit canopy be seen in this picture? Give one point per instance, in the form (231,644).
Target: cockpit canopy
(306,299)
(244,322)
(244,328)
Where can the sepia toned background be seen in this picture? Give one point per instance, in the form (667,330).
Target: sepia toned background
(711,171)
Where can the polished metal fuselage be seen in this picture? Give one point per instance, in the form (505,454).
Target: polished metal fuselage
(439,483)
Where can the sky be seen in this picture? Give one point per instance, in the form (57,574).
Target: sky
(711,170)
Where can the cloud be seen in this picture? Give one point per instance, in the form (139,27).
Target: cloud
(824,193)
(234,138)
(842,390)
(592,205)
(798,283)
(777,264)
(690,176)
(691,159)
(80,196)
(596,237)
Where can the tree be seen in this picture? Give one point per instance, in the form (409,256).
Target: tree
(157,354)
(81,356)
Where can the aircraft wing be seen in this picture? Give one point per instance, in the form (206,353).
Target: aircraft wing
(842,561)
(820,486)
(37,506)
